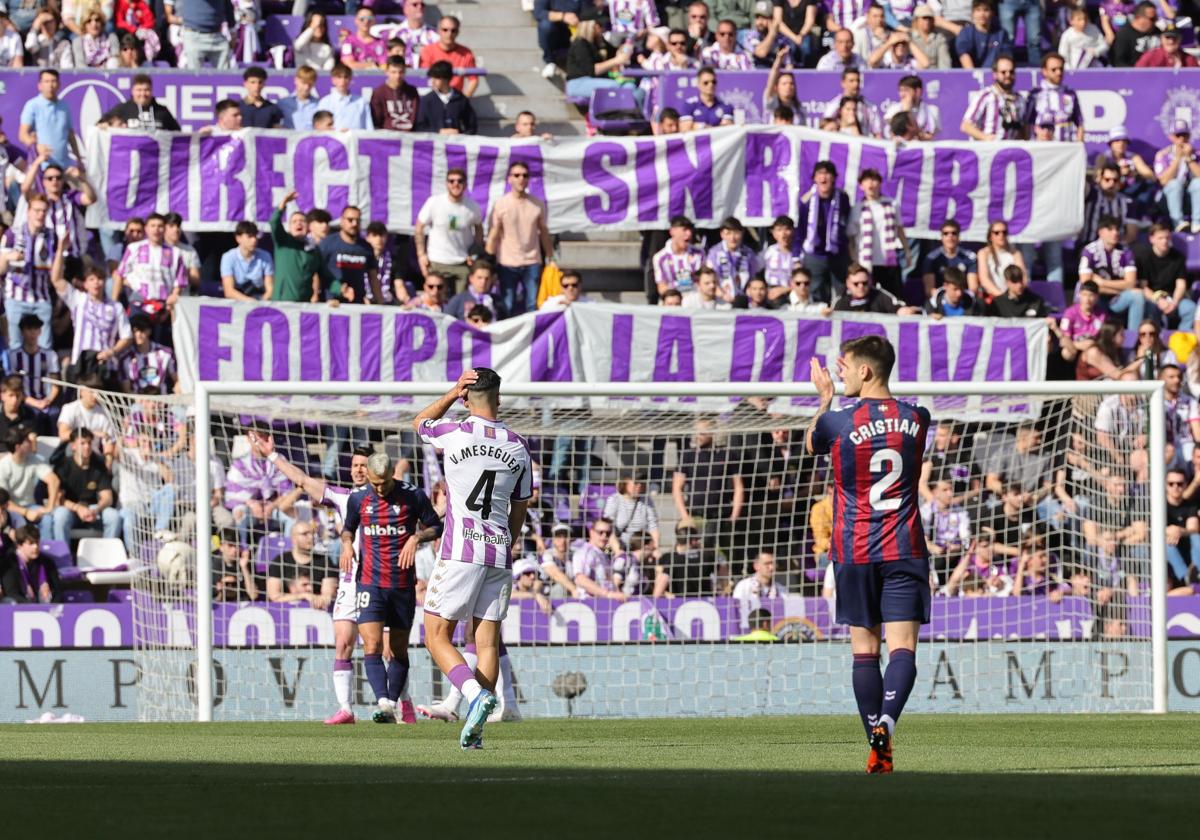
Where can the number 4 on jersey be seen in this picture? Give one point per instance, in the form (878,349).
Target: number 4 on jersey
(480,500)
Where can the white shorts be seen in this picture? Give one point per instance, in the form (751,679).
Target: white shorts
(345,606)
(460,591)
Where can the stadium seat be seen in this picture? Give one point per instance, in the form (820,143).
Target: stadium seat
(60,553)
(120,596)
(270,547)
(1052,293)
(615,111)
(47,445)
(78,596)
(591,503)
(104,561)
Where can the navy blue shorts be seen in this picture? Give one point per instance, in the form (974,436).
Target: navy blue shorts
(869,594)
(393,607)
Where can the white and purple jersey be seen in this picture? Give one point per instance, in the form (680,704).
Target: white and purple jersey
(927,117)
(996,113)
(152,272)
(632,15)
(1077,326)
(253,479)
(153,369)
(594,564)
(946,527)
(337,498)
(415,39)
(1103,263)
(778,264)
(28,278)
(99,324)
(718,59)
(64,215)
(32,368)
(1163,159)
(678,271)
(868,117)
(488,467)
(1058,103)
(733,268)
(845,12)
(713,115)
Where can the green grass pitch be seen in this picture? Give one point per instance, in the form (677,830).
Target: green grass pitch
(957,777)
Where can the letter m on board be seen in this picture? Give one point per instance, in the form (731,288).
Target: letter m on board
(1030,686)
(54,678)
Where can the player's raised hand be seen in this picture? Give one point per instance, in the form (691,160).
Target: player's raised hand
(408,554)
(263,445)
(822,380)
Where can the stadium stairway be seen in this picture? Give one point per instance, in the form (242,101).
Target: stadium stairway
(504,39)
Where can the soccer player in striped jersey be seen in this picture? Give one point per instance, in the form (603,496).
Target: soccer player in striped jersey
(390,518)
(875,446)
(489,481)
(345,605)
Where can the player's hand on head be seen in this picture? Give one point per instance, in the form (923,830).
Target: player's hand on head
(469,377)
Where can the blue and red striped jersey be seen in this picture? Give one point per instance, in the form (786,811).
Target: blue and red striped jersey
(875,448)
(384,524)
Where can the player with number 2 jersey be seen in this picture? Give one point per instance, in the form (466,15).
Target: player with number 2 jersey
(875,447)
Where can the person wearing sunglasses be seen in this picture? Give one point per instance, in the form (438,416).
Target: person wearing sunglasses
(862,296)
(705,110)
(996,113)
(519,240)
(725,54)
(593,564)
(449,229)
(414,32)
(1183,530)
(362,50)
(572,292)
(799,296)
(432,295)
(948,254)
(1137,37)
(477,295)
(447,49)
(994,257)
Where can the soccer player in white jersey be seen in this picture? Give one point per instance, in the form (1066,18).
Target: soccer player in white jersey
(489,478)
(345,606)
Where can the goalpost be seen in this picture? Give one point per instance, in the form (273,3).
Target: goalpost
(1084,635)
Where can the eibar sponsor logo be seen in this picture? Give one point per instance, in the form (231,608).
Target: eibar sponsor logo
(384,530)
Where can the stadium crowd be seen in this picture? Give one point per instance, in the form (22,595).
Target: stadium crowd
(95,306)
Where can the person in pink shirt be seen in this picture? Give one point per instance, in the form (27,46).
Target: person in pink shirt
(1081,322)
(362,49)
(1169,52)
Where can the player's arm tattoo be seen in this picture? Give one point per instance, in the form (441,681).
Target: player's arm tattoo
(429,534)
(812,427)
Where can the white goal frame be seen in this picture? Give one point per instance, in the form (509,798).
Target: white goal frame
(204,392)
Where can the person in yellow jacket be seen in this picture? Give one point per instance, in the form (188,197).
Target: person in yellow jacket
(760,623)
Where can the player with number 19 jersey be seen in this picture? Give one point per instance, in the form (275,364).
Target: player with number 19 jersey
(876,447)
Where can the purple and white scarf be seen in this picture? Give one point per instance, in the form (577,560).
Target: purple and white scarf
(832,220)
(95,50)
(889,241)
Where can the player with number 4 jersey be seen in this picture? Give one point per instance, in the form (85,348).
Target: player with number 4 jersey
(489,480)
(875,446)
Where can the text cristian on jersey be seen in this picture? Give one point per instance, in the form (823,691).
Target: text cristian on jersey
(881,427)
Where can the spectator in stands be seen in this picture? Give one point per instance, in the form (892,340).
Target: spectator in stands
(996,256)
(688,563)
(87,413)
(766,44)
(997,112)
(259,494)
(311,48)
(733,261)
(1168,53)
(1104,357)
(1178,173)
(349,111)
(953,299)
(798,298)
(26,262)
(247,271)
(1105,199)
(301,561)
(875,234)
(477,293)
(151,273)
(725,54)
(1162,269)
(362,50)
(800,23)
(46,123)
(1182,415)
(142,111)
(593,564)
(204,27)
(555,19)
(323,121)
(947,526)
(519,240)
(300,272)
(12,49)
(926,38)
(394,103)
(66,196)
(14,411)
(449,228)
(1081,322)
(928,118)
(445,110)
(676,265)
(842,57)
(706,293)
(636,571)
(948,254)
(1183,530)
(257,112)
(47,42)
(781,258)
(556,563)
(590,60)
(705,110)
(27,576)
(390,282)
(707,486)
(871,34)
(298,109)
(146,365)
(824,212)
(350,260)
(780,92)
(979,45)
(1011,522)
(34,364)
(432,296)
(80,488)
(233,575)
(1020,463)
(1138,36)
(676,57)
(449,50)
(571,284)
(865,114)
(101,329)
(671,297)
(228,114)
(20,474)
(699,32)
(94,47)
(1082,45)
(525,126)
(173,236)
(862,296)
(755,295)
(1115,536)
(1017,301)
(1051,98)
(761,584)
(1111,267)
(632,513)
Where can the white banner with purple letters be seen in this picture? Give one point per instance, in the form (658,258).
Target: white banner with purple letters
(218,340)
(613,183)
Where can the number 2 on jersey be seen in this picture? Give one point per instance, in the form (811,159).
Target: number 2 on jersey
(480,500)
(890,460)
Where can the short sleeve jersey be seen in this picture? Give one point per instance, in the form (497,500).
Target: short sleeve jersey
(383,525)
(875,448)
(487,467)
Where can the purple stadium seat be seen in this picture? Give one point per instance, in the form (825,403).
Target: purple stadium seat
(914,290)
(591,503)
(120,596)
(615,111)
(60,552)
(270,547)
(78,596)
(1052,293)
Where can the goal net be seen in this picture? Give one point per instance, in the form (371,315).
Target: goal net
(712,594)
